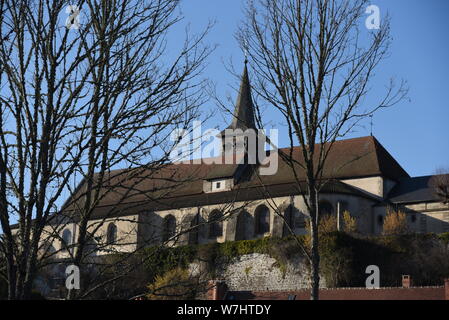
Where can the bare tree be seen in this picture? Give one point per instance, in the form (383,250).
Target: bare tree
(311,64)
(440,183)
(78,99)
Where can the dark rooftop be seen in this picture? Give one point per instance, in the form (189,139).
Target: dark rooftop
(417,189)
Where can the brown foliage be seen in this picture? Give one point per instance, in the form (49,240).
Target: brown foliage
(349,222)
(395,223)
(327,224)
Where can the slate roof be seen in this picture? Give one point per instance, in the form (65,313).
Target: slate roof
(409,190)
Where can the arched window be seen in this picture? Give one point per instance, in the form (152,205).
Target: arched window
(262,218)
(289,220)
(215,224)
(111,235)
(169,230)
(194,233)
(66,238)
(243,225)
(325,208)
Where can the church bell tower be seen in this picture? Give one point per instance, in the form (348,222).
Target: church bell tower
(239,139)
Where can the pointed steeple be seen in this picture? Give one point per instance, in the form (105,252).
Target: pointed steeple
(243,117)
(242,152)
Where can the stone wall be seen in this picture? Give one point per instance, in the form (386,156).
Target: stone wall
(261,272)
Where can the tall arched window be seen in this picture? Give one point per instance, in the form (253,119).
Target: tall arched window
(169,230)
(215,224)
(111,236)
(289,220)
(66,238)
(262,218)
(243,226)
(194,233)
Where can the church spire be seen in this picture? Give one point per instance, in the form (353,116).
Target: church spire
(243,117)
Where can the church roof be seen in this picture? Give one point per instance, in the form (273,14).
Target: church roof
(176,183)
(350,158)
(236,195)
(416,189)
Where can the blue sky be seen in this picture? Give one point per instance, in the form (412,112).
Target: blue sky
(416,132)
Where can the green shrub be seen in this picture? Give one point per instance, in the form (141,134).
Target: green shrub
(160,260)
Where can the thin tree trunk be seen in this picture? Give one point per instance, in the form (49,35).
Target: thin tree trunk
(314,245)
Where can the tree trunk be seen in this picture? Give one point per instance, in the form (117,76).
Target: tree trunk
(315,256)
(11,281)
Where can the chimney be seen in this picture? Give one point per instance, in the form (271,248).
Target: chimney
(446,288)
(216,290)
(406,281)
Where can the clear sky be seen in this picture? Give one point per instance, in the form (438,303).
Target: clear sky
(416,133)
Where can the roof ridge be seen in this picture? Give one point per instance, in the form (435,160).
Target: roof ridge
(378,147)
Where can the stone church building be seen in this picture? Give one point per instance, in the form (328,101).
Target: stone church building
(201,203)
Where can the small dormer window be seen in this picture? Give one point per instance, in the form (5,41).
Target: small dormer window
(219,185)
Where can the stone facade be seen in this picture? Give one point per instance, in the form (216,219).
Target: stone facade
(240,222)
